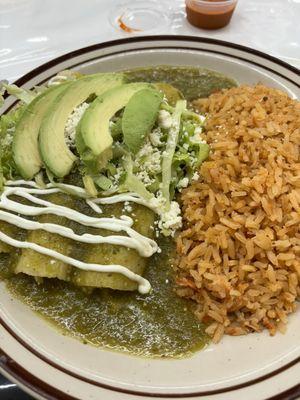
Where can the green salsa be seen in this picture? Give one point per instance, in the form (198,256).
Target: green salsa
(192,82)
(159,324)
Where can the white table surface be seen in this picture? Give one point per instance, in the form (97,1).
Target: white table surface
(35,31)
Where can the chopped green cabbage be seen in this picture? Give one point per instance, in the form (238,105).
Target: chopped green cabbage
(26,96)
(169,152)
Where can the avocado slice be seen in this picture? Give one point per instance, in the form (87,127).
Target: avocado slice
(25,142)
(93,138)
(55,153)
(139,117)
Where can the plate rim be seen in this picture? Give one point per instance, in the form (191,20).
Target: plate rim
(156,38)
(41,388)
(37,386)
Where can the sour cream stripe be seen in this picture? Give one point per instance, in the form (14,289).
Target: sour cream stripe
(78,190)
(144,248)
(92,202)
(113,224)
(143,284)
(51,208)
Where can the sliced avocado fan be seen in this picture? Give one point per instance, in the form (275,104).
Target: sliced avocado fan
(93,138)
(55,153)
(25,142)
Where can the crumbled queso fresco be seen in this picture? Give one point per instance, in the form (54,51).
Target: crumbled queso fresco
(72,122)
(196,176)
(127,207)
(164,119)
(148,161)
(183,183)
(170,220)
(155,137)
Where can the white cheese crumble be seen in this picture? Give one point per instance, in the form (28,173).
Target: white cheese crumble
(197,138)
(127,207)
(165,119)
(116,178)
(183,183)
(72,122)
(169,221)
(198,130)
(155,137)
(195,176)
(145,178)
(202,118)
(148,163)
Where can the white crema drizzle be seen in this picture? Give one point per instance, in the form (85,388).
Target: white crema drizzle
(144,246)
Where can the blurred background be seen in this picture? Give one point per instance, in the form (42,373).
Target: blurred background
(35,31)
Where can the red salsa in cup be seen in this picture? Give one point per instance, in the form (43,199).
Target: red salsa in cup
(210,14)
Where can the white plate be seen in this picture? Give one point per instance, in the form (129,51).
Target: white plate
(52,366)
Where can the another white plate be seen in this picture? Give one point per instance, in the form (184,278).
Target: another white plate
(51,366)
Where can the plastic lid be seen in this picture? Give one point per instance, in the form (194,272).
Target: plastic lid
(140,17)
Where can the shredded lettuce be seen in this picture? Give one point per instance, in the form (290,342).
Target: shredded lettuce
(185,113)
(168,154)
(65,188)
(7,127)
(39,179)
(1,176)
(132,183)
(63,76)
(102,182)
(26,96)
(89,186)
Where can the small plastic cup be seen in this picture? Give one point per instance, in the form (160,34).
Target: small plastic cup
(210,14)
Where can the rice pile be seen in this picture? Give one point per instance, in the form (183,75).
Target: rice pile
(239,251)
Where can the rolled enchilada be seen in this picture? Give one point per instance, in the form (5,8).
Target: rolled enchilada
(41,266)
